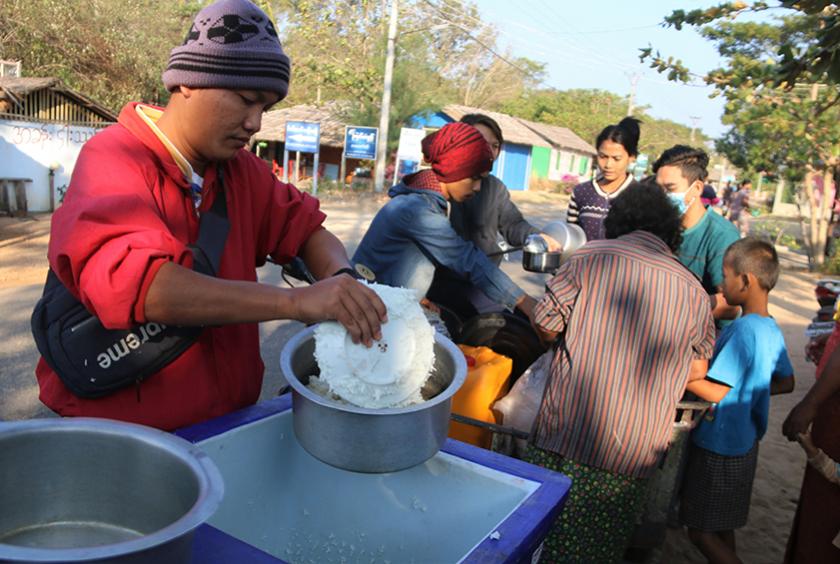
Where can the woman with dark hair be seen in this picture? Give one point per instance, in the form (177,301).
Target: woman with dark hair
(410,237)
(618,147)
(483,220)
(632,327)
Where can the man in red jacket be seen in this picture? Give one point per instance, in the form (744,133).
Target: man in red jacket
(119,241)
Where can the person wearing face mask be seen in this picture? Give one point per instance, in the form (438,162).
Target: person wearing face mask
(411,235)
(617,151)
(681,171)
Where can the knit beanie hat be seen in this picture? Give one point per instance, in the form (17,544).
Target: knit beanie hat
(457,151)
(231,44)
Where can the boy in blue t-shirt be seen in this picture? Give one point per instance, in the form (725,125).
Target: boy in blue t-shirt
(749,364)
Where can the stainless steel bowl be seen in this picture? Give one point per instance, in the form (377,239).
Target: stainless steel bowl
(540,262)
(96,490)
(371,440)
(535,255)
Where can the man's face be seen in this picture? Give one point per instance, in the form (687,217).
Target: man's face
(220,122)
(463,190)
(491,139)
(671,178)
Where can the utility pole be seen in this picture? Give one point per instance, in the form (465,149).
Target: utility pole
(694,121)
(631,100)
(385,110)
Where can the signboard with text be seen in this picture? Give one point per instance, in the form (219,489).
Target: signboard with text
(303,136)
(360,142)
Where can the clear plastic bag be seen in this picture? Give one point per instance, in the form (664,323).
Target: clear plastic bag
(520,406)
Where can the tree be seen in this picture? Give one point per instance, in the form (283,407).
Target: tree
(783,107)
(444,55)
(111,51)
(587,112)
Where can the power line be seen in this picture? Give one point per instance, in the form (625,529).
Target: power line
(479,41)
(587,56)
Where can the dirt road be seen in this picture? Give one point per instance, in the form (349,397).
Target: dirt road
(23,246)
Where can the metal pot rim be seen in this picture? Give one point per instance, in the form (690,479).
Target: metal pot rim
(307,333)
(210,487)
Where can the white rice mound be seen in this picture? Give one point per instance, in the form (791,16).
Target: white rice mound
(391,372)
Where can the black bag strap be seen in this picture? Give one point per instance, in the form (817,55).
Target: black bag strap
(213,229)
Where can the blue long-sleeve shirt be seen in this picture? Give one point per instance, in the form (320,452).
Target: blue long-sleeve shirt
(411,235)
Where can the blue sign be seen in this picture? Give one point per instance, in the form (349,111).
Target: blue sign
(303,136)
(360,142)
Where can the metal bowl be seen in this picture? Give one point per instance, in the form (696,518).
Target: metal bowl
(371,440)
(96,490)
(541,262)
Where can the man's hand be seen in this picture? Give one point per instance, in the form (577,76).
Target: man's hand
(808,444)
(526,305)
(341,298)
(721,309)
(553,245)
(799,420)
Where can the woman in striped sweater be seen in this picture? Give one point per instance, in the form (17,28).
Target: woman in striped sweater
(617,150)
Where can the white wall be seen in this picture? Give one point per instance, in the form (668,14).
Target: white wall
(563,163)
(28,148)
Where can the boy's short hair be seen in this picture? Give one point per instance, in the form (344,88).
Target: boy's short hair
(751,255)
(692,162)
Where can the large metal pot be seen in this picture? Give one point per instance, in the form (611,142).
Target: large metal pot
(371,440)
(96,490)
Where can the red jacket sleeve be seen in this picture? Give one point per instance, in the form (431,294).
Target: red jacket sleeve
(111,235)
(288,218)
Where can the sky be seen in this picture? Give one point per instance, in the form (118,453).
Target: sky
(595,44)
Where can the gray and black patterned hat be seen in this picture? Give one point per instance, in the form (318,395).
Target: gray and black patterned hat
(231,44)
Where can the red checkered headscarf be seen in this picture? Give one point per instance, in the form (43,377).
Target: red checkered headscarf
(457,151)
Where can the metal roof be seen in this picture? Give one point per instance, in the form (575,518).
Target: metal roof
(332,126)
(14,89)
(513,130)
(560,137)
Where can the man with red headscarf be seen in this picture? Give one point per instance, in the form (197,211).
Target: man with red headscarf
(411,234)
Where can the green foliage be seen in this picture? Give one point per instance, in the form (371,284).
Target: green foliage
(832,262)
(775,232)
(587,112)
(113,52)
(792,60)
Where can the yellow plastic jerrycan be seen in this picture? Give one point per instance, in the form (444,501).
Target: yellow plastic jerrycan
(487,380)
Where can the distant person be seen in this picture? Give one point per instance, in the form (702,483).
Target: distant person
(484,219)
(682,172)
(726,198)
(827,467)
(741,204)
(709,196)
(632,327)
(411,235)
(618,147)
(817,518)
(749,365)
